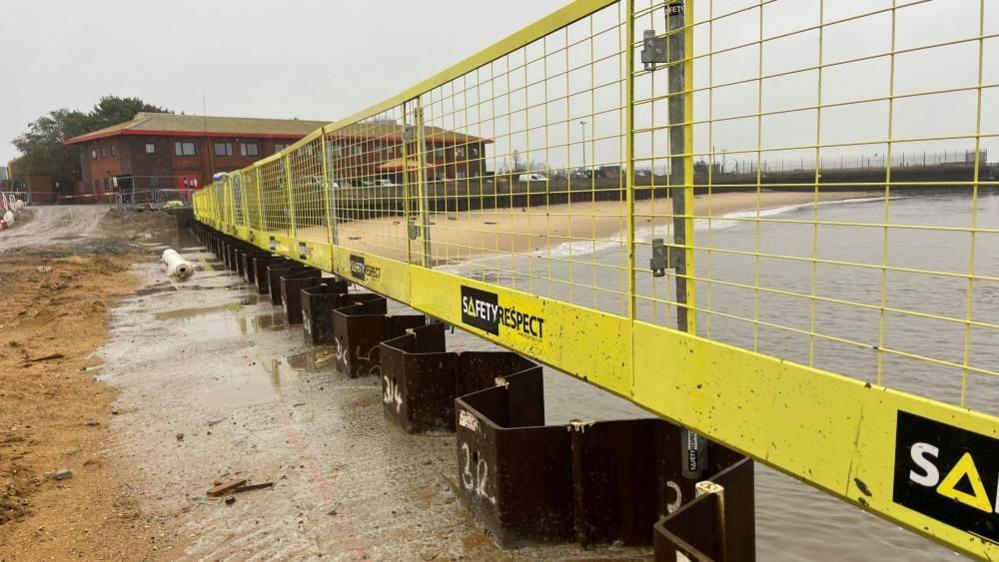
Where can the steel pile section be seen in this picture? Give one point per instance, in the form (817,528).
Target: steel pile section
(318,303)
(260,266)
(593,482)
(359,328)
(421,379)
(291,291)
(273,279)
(247,263)
(712,527)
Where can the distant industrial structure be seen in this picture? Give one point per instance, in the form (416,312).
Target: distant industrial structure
(168,151)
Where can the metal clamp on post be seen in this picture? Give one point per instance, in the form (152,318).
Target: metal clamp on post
(653,50)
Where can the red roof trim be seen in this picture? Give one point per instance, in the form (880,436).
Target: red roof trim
(202,134)
(442,139)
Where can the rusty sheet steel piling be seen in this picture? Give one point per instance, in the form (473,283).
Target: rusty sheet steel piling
(274,273)
(359,328)
(291,291)
(420,378)
(591,482)
(260,265)
(249,271)
(318,303)
(717,526)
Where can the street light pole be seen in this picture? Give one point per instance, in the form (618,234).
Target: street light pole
(582,124)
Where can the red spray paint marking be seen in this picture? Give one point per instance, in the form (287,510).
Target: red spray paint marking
(312,470)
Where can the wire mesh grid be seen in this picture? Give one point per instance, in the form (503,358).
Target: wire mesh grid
(820,176)
(369,165)
(274,195)
(841,208)
(525,166)
(308,191)
(251,197)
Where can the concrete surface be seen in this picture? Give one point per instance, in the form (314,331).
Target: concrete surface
(211,360)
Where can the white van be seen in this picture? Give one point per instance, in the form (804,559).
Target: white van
(532,177)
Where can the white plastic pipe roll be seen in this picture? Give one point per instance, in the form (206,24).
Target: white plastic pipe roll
(177,266)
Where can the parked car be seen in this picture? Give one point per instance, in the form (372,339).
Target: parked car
(532,177)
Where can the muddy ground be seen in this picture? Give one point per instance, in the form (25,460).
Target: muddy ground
(150,390)
(60,274)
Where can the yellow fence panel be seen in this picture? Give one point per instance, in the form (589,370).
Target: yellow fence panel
(771,222)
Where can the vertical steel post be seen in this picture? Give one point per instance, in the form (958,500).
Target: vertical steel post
(680,77)
(408,135)
(327,186)
(291,196)
(629,125)
(421,148)
(260,200)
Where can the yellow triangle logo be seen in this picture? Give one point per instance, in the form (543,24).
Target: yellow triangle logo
(966,467)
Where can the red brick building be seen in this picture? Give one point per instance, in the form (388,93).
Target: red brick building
(163,150)
(167,151)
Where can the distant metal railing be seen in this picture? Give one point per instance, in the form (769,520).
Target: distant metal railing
(565,194)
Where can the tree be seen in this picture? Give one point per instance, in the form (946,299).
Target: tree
(42,151)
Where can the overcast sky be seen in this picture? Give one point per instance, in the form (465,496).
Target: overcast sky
(325,60)
(309,59)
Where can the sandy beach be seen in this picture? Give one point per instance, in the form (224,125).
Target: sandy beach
(460,236)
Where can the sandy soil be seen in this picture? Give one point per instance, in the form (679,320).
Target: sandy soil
(460,236)
(55,415)
(59,276)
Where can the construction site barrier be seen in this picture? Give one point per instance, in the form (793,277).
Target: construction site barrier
(421,379)
(569,193)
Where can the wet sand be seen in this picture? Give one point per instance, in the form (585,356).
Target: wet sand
(460,236)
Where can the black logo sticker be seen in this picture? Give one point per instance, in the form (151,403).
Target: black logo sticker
(361,271)
(482,310)
(357,267)
(947,473)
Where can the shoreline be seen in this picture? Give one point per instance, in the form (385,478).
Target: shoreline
(463,236)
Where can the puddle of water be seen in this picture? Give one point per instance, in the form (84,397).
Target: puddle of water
(314,360)
(272,322)
(195,312)
(165,287)
(245,391)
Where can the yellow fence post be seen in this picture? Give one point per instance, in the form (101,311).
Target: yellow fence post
(327,185)
(291,197)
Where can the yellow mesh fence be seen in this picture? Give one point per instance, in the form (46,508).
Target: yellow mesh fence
(814,181)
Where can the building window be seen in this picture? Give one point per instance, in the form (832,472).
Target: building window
(114,150)
(104,152)
(459,152)
(439,153)
(150,148)
(249,149)
(93,154)
(356,149)
(223,149)
(279,146)
(184,148)
(474,150)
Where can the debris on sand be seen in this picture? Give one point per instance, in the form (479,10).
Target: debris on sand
(61,474)
(177,267)
(222,489)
